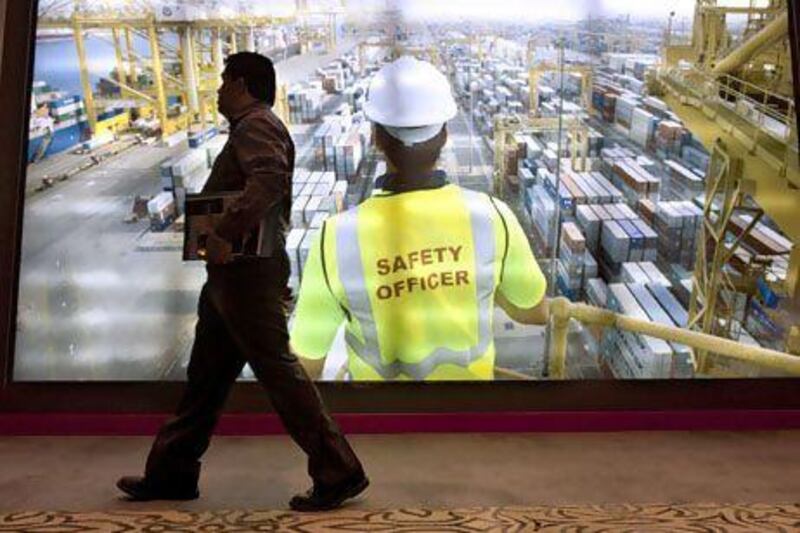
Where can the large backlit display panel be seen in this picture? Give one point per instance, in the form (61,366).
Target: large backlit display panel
(610,198)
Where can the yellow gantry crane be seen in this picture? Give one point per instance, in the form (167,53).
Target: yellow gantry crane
(309,33)
(736,96)
(506,126)
(472,41)
(536,71)
(187,70)
(537,68)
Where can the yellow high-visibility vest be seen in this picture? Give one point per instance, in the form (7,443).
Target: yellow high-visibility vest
(414,277)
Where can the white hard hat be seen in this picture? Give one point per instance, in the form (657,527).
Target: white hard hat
(411,99)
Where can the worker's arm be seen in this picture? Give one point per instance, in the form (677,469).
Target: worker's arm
(318,314)
(521,291)
(264,159)
(537,315)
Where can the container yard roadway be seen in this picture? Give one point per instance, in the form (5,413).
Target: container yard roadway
(91,306)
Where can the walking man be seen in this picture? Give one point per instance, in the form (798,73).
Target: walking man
(241,315)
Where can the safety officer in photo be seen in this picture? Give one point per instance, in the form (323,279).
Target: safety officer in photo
(414,272)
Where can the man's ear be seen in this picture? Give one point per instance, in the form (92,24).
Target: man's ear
(378,136)
(241,86)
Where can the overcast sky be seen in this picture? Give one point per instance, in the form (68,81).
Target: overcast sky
(520,10)
(533,10)
(543,10)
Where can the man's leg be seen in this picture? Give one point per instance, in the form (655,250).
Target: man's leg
(253,312)
(296,399)
(214,365)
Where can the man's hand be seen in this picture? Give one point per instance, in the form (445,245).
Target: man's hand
(217,250)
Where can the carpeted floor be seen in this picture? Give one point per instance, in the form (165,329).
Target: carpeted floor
(616,518)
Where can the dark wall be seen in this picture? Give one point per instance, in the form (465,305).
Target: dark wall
(794,26)
(15,81)
(2,28)
(14,87)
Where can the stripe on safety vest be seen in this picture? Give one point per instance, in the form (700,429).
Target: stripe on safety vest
(351,273)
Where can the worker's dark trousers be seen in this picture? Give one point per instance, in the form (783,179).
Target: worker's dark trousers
(241,319)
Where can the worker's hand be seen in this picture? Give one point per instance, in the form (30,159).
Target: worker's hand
(217,251)
(313,367)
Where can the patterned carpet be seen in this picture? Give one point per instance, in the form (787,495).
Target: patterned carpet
(584,519)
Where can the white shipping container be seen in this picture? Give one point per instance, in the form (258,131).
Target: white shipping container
(626,213)
(329,206)
(651,357)
(588,221)
(195,182)
(189,161)
(642,127)
(160,203)
(307,189)
(542,211)
(595,193)
(596,292)
(293,241)
(98,141)
(318,220)
(323,189)
(623,111)
(298,208)
(655,275)
(590,269)
(305,246)
(311,208)
(175,139)
(615,241)
(214,147)
(327,178)
(301,175)
(632,273)
(681,362)
(655,103)
(650,252)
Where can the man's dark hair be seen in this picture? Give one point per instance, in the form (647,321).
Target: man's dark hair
(411,160)
(258,73)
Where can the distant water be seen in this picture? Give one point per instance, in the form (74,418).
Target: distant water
(56,62)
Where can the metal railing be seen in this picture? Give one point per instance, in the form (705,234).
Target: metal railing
(764,103)
(728,90)
(562,310)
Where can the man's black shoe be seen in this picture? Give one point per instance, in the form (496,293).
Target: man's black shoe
(139,489)
(327,498)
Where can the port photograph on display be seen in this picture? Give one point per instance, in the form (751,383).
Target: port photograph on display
(641,148)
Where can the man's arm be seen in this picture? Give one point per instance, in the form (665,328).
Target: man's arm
(521,292)
(537,315)
(264,160)
(318,314)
